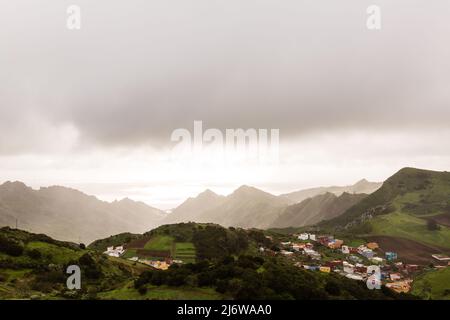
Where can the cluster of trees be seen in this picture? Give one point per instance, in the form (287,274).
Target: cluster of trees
(216,242)
(253,277)
(10,246)
(211,241)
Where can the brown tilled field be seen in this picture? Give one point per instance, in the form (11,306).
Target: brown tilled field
(138,243)
(443,219)
(153,253)
(408,251)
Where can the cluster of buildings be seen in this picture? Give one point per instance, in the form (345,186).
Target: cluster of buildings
(157,264)
(356,263)
(115,251)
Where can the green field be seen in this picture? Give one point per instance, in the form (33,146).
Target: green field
(185,251)
(433,285)
(410,227)
(161,293)
(178,250)
(58,254)
(160,243)
(129,253)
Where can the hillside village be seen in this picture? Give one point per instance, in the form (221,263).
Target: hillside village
(322,253)
(325,253)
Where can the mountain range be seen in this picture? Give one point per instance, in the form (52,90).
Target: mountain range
(246,207)
(249,207)
(71,215)
(362,186)
(316,209)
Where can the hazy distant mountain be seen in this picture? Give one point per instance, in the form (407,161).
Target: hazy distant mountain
(193,208)
(313,210)
(245,207)
(362,186)
(68,214)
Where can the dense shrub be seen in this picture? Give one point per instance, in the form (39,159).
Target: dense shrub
(432,225)
(34,254)
(142,290)
(90,268)
(11,246)
(333,288)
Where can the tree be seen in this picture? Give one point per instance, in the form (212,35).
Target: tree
(10,246)
(34,254)
(432,225)
(332,287)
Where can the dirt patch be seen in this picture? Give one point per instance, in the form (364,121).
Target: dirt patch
(408,251)
(153,253)
(138,243)
(442,219)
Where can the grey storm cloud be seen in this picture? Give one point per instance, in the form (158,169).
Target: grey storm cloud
(139,69)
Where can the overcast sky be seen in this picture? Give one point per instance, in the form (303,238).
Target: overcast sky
(95,108)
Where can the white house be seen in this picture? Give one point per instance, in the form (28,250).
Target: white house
(377,260)
(114,252)
(312,237)
(303,236)
(348,267)
(311,253)
(345,250)
(362,248)
(354,277)
(286,253)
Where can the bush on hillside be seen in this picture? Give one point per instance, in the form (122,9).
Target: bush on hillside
(11,246)
(432,225)
(34,254)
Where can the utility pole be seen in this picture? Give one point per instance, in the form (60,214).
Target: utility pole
(17,223)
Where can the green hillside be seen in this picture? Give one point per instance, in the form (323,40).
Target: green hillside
(403,207)
(433,285)
(33,266)
(227,266)
(116,240)
(188,242)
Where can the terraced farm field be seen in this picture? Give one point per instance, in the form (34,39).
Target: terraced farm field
(161,247)
(160,243)
(185,251)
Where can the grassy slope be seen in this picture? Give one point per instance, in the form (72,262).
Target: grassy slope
(24,276)
(406,199)
(403,225)
(160,242)
(116,240)
(433,285)
(128,292)
(185,251)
